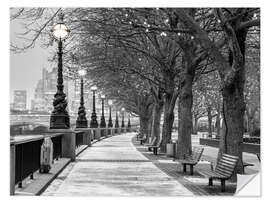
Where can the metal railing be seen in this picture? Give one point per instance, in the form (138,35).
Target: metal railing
(79,138)
(27,154)
(25,150)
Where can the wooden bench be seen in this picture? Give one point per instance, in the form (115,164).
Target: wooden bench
(191,160)
(259,157)
(151,143)
(143,139)
(155,147)
(245,164)
(223,170)
(137,136)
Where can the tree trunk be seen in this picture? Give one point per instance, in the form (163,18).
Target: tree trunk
(195,125)
(209,115)
(157,111)
(144,124)
(149,129)
(233,103)
(218,123)
(234,122)
(168,120)
(185,118)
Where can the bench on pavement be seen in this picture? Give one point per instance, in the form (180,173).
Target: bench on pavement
(155,147)
(191,160)
(151,143)
(142,139)
(137,136)
(259,157)
(223,170)
(245,164)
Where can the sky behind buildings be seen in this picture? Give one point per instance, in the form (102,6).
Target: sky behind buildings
(26,68)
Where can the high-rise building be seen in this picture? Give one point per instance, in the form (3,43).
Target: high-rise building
(19,100)
(46,89)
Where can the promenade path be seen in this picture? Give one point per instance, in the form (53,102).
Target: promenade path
(113,167)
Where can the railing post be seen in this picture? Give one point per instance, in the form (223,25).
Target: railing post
(105,132)
(98,133)
(68,142)
(12,169)
(69,145)
(113,131)
(86,135)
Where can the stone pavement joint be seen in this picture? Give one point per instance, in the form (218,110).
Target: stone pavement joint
(113,167)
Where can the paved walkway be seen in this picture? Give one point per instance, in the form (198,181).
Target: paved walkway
(113,167)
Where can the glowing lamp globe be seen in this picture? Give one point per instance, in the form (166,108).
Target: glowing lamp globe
(110,102)
(82,72)
(102,96)
(60,31)
(94,88)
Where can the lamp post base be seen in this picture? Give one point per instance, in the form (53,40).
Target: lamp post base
(93,124)
(81,123)
(59,122)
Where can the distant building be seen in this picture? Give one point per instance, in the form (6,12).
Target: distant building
(19,100)
(45,90)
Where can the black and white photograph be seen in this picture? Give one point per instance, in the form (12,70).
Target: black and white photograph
(156,101)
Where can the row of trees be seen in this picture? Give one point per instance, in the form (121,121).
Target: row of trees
(147,59)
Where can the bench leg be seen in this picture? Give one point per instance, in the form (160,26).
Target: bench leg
(155,151)
(222,185)
(191,169)
(210,183)
(184,168)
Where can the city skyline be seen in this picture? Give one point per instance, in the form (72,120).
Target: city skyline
(26,67)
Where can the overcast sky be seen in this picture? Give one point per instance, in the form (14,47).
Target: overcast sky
(26,68)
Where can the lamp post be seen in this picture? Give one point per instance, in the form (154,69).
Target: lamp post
(93,122)
(102,119)
(116,120)
(123,121)
(81,121)
(110,123)
(129,125)
(59,117)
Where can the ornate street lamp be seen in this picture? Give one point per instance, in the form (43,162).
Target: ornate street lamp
(93,122)
(129,125)
(110,123)
(59,117)
(123,121)
(116,120)
(102,119)
(81,121)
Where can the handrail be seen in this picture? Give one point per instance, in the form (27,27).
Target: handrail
(30,138)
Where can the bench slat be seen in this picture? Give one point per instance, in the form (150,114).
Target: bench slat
(229,158)
(226,164)
(211,174)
